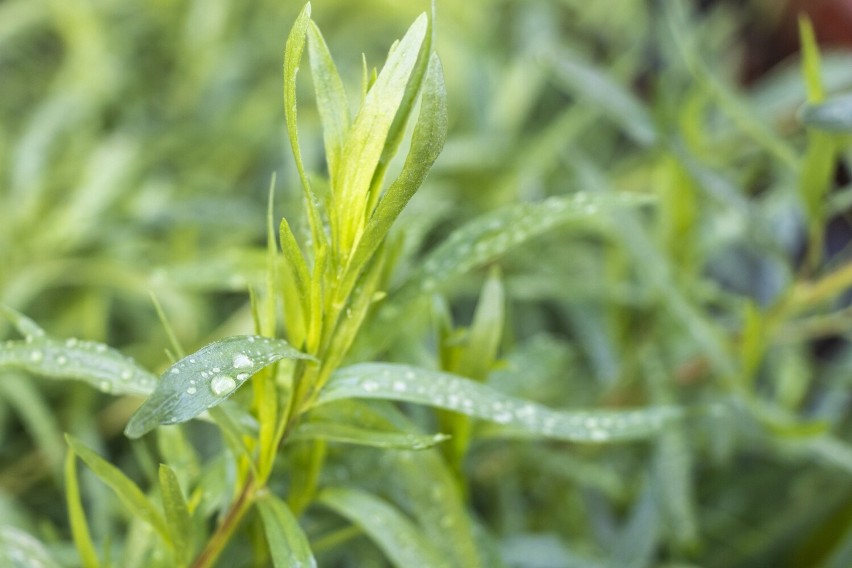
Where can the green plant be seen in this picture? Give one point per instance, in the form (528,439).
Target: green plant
(416,385)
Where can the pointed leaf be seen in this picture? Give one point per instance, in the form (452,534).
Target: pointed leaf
(77,515)
(178,518)
(427,141)
(450,392)
(348,434)
(394,533)
(331,98)
(366,140)
(207,378)
(127,491)
(287,542)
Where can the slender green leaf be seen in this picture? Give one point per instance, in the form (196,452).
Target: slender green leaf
(95,363)
(348,434)
(366,140)
(492,235)
(19,549)
(811,66)
(486,330)
(77,515)
(207,378)
(450,392)
(178,518)
(605,93)
(331,98)
(834,115)
(287,542)
(428,138)
(127,491)
(393,532)
(292,57)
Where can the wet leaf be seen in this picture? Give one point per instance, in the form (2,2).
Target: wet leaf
(492,235)
(451,392)
(287,542)
(95,363)
(393,532)
(178,518)
(207,378)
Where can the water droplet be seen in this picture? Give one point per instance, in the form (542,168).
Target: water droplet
(217,370)
(61,360)
(222,384)
(190,390)
(71,342)
(36,356)
(105,386)
(251,339)
(242,360)
(242,376)
(598,435)
(175,371)
(29,338)
(126,375)
(100,348)
(399,386)
(370,386)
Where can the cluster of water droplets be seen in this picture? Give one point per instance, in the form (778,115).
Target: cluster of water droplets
(449,392)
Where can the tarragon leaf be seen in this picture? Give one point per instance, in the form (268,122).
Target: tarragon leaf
(95,363)
(451,392)
(349,434)
(206,378)
(288,544)
(399,538)
(492,235)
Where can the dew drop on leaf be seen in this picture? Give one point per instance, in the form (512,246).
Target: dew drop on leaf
(222,384)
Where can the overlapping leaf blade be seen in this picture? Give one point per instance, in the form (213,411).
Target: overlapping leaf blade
(287,542)
(394,533)
(207,378)
(349,434)
(451,392)
(19,549)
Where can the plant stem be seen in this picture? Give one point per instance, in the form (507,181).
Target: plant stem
(226,528)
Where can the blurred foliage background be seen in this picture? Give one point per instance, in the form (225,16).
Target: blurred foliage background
(137,143)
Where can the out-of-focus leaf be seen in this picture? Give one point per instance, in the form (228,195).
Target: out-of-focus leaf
(287,542)
(395,534)
(77,515)
(492,235)
(207,378)
(128,492)
(450,392)
(19,549)
(348,434)
(178,518)
(833,115)
(95,363)
(603,92)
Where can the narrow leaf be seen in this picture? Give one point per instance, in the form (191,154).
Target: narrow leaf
(494,234)
(450,392)
(287,542)
(395,534)
(19,549)
(366,139)
(348,434)
(77,515)
(127,491)
(206,378)
(95,363)
(331,98)
(485,331)
(428,138)
(178,518)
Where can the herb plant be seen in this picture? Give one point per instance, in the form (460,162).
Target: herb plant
(540,376)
